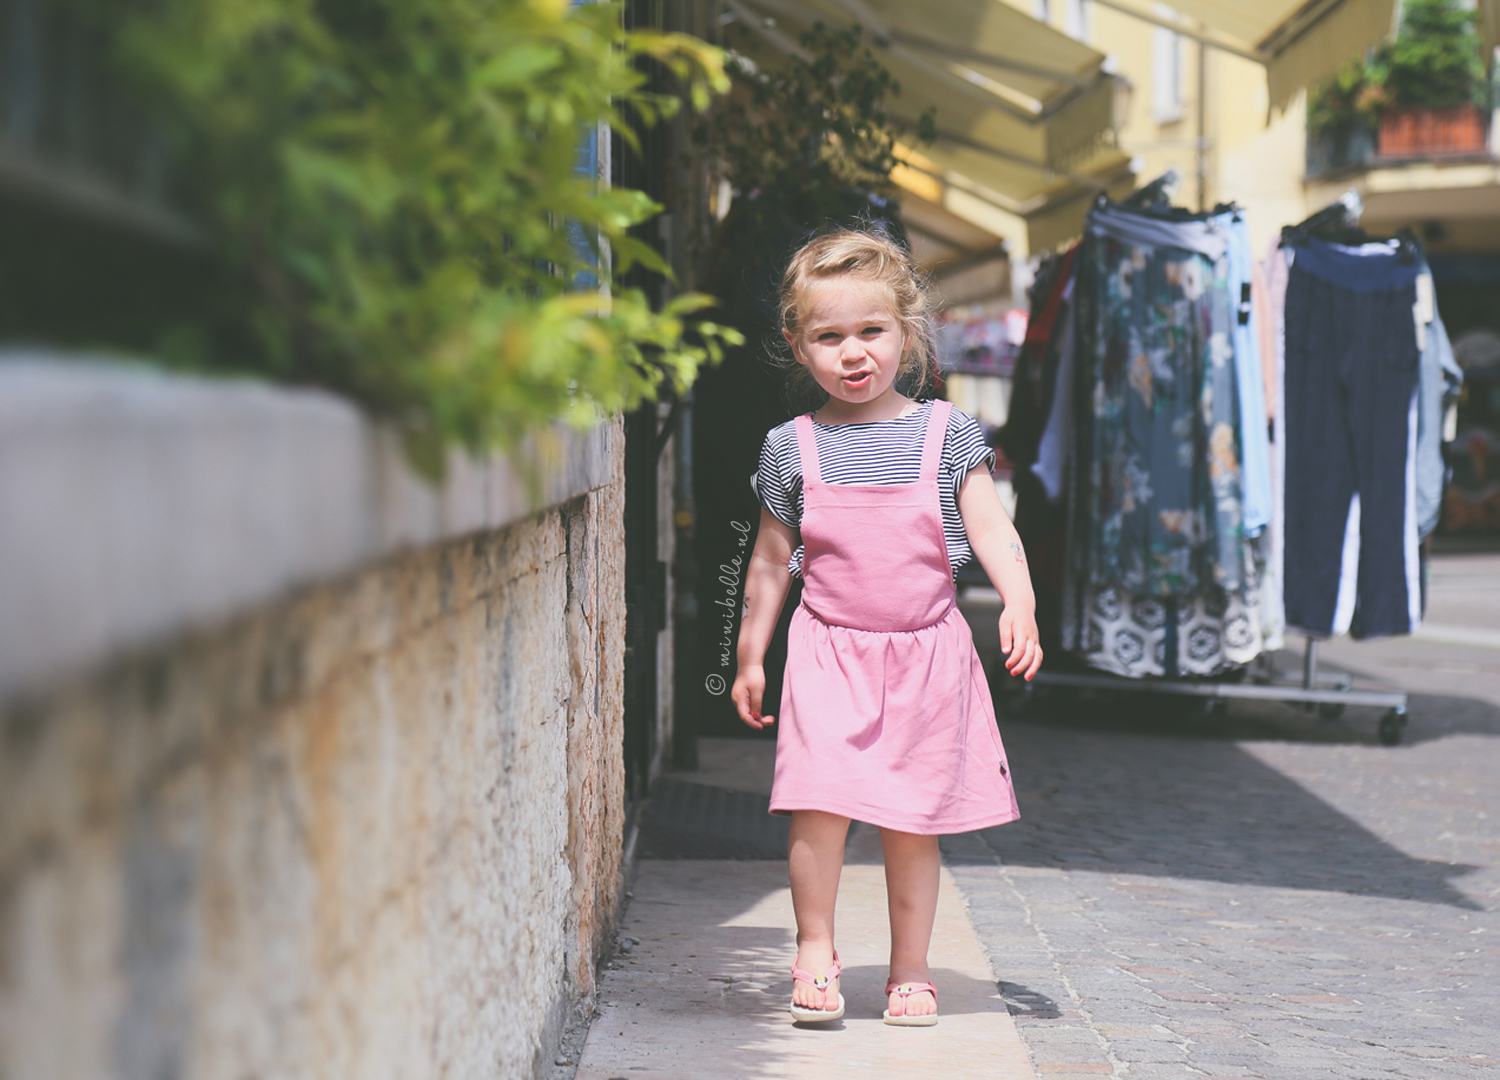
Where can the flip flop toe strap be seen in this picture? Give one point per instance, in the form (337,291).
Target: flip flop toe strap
(908,989)
(821,982)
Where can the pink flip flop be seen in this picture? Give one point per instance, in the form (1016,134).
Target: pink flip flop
(906,990)
(815,1016)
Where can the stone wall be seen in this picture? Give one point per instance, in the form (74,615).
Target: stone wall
(368,827)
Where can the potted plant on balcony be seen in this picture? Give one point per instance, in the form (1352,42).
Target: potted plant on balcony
(1341,120)
(1419,96)
(1434,84)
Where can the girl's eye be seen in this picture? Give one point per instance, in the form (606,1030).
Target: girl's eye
(874,330)
(830,336)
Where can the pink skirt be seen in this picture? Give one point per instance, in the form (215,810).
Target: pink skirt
(894,729)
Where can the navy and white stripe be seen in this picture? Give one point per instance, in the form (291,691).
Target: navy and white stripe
(885,452)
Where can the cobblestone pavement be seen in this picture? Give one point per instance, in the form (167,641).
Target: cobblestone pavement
(1266,894)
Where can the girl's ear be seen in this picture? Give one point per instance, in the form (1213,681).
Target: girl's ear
(792,341)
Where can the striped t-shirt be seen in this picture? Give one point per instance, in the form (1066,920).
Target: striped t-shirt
(885,452)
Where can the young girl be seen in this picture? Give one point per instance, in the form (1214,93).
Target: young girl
(885,713)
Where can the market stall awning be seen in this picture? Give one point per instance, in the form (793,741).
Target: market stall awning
(1021,109)
(1489,26)
(1301,42)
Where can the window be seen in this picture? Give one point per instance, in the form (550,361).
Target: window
(1078,19)
(1040,10)
(1166,71)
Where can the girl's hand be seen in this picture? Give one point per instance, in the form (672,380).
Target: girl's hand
(749,685)
(1020,641)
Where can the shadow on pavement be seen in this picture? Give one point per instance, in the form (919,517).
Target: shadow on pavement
(1132,794)
(688,820)
(958,994)
(1024,1002)
(685,820)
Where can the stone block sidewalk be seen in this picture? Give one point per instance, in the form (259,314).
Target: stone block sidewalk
(700,986)
(1261,895)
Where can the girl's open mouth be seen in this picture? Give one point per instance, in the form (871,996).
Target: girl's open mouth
(857,380)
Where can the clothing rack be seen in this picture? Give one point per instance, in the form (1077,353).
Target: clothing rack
(1326,694)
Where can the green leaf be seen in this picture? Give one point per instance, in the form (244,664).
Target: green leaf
(518,65)
(387,186)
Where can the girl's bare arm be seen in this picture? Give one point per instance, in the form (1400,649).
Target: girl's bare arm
(766,583)
(997,545)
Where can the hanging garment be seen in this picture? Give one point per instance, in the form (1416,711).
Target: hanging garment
(1034,377)
(1057,436)
(1041,524)
(1273,359)
(1154,364)
(1265,321)
(1206,236)
(1350,406)
(1439,380)
(886,715)
(1144,636)
(1255,444)
(1161,579)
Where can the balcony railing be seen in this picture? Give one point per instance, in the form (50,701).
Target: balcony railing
(1458,133)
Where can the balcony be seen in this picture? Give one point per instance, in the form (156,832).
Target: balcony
(1459,134)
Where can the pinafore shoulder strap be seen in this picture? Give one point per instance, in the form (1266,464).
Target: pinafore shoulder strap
(932,447)
(807,444)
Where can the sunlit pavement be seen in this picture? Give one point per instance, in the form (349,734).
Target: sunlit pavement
(1264,894)
(699,988)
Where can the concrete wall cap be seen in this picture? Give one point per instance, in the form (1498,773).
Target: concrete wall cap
(136,503)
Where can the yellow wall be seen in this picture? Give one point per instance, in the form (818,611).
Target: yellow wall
(1247,160)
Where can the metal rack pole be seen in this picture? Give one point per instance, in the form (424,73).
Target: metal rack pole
(1333,697)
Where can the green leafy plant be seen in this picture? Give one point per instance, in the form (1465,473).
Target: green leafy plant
(1434,62)
(392,189)
(1351,97)
(817,125)
(805,143)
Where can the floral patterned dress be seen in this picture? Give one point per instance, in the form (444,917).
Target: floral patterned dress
(1161,577)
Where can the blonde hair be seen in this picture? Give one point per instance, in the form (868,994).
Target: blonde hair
(863,256)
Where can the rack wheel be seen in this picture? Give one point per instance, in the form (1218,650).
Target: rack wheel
(1392,727)
(1332,710)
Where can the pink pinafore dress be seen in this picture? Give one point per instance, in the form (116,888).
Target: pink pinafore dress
(886,715)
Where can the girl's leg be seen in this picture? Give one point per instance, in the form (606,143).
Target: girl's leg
(911,883)
(815,857)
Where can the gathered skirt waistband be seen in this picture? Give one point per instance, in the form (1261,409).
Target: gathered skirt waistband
(943,617)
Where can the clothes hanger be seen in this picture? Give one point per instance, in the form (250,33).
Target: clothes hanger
(1158,193)
(1338,223)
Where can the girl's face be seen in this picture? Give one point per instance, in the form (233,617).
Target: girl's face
(850,341)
